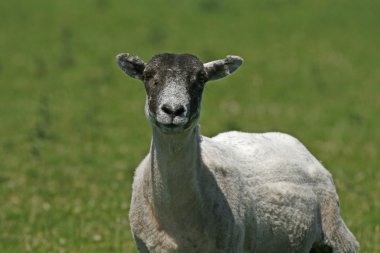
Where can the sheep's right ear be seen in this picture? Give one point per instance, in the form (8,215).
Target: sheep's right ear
(132,65)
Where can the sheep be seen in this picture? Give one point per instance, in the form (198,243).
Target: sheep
(235,192)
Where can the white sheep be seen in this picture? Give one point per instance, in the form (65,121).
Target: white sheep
(236,192)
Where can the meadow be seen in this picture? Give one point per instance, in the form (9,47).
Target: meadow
(72,127)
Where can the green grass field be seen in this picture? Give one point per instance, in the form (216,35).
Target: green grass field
(72,128)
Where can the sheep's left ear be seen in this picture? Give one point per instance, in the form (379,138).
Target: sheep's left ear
(132,65)
(221,68)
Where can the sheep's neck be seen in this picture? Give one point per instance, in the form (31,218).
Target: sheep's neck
(175,167)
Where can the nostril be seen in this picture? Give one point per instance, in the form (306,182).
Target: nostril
(173,111)
(179,110)
(167,109)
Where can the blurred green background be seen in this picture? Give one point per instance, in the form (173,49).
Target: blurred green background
(72,128)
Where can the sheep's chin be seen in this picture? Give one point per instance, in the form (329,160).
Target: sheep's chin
(171,128)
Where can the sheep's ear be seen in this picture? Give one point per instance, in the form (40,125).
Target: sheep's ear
(221,68)
(132,65)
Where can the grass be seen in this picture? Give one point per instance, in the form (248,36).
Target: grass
(72,126)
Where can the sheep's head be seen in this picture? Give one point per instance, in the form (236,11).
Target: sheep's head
(174,85)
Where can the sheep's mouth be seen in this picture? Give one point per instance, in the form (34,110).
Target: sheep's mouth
(171,127)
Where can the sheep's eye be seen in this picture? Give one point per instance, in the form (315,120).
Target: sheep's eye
(201,78)
(148,75)
(155,82)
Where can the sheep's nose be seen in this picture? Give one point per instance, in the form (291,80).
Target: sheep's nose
(176,110)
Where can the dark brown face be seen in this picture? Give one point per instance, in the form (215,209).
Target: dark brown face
(174,85)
